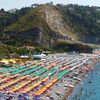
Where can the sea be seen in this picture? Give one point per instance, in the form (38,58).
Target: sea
(89,89)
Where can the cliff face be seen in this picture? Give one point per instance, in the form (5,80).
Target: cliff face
(47,24)
(44,24)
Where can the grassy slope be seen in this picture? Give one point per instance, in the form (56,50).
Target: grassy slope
(37,18)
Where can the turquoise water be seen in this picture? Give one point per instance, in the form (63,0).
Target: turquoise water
(90,89)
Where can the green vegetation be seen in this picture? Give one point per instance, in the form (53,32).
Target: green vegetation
(31,27)
(7,18)
(84,20)
(6,50)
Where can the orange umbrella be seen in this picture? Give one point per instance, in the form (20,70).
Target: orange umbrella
(45,79)
(49,85)
(1,76)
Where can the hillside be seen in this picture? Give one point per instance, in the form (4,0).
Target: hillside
(43,24)
(84,20)
(46,25)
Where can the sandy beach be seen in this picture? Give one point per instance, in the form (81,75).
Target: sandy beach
(54,78)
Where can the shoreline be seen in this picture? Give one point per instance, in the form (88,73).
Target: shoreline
(54,78)
(78,87)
